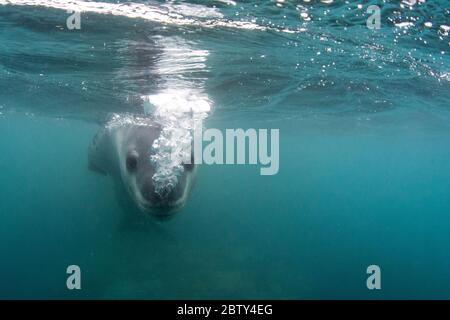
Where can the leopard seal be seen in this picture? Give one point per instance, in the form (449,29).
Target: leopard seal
(125,150)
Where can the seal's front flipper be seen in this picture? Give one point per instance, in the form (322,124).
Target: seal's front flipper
(94,168)
(96,157)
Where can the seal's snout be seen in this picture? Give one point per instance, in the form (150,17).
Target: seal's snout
(149,194)
(167,199)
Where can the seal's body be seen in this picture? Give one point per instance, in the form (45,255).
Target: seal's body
(124,151)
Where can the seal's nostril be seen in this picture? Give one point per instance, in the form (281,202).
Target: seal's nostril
(148,192)
(176,193)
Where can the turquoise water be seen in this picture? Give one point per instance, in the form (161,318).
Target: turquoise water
(364,151)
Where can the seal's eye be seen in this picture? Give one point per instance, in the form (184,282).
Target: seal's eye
(190,166)
(132,160)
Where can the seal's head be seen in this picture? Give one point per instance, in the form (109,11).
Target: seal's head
(138,174)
